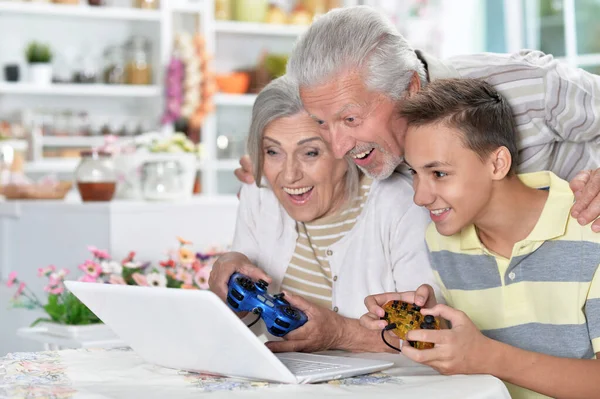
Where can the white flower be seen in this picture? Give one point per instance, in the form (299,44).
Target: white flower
(111,267)
(132,265)
(156,280)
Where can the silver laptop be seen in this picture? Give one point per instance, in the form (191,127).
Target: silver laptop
(195,331)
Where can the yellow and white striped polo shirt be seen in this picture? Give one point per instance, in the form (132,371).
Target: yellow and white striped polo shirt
(545,298)
(309,273)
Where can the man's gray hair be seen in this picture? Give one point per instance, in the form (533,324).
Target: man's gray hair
(355,39)
(281,99)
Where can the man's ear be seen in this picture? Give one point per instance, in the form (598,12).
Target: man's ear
(501,163)
(415,84)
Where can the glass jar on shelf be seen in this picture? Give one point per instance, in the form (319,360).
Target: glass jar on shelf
(95,176)
(114,65)
(138,70)
(147,4)
(162,180)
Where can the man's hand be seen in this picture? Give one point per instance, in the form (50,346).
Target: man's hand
(244,173)
(230,263)
(324,329)
(586,187)
(463,349)
(424,296)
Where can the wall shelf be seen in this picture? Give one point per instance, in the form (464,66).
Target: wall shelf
(80,11)
(248,28)
(87,90)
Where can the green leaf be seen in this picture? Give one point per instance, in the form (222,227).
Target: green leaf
(55,309)
(41,319)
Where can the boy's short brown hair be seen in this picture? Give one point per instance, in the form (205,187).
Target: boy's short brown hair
(471,106)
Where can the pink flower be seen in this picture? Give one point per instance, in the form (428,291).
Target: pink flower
(44,271)
(114,279)
(60,275)
(201,278)
(12,278)
(86,278)
(98,253)
(184,276)
(139,279)
(19,291)
(54,287)
(59,289)
(91,268)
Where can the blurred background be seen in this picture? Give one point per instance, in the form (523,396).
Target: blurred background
(121,121)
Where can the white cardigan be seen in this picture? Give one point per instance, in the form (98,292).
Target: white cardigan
(385,250)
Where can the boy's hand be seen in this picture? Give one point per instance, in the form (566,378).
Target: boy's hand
(586,187)
(424,296)
(463,349)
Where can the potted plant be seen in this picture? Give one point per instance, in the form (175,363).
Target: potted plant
(39,58)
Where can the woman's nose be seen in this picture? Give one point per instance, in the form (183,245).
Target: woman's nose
(292,171)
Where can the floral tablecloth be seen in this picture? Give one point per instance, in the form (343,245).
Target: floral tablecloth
(100,374)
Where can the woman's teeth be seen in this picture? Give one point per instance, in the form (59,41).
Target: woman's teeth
(438,212)
(297,191)
(362,154)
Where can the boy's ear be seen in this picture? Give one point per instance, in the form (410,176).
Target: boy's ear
(501,162)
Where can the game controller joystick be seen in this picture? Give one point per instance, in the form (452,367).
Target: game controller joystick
(247,295)
(403,317)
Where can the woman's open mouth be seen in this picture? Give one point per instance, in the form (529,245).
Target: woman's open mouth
(299,195)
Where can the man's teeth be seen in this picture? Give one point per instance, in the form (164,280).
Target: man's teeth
(362,154)
(297,191)
(438,212)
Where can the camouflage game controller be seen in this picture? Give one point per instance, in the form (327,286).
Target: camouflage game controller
(403,317)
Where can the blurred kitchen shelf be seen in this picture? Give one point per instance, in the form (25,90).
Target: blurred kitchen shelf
(246,100)
(249,28)
(75,141)
(16,144)
(80,11)
(193,8)
(52,166)
(66,89)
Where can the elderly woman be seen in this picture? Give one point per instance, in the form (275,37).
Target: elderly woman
(319,230)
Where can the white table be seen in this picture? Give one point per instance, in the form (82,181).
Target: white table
(117,374)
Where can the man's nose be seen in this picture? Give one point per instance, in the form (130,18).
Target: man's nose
(340,142)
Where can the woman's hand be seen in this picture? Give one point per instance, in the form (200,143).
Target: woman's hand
(324,329)
(424,297)
(226,265)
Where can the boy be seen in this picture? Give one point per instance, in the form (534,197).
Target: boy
(519,274)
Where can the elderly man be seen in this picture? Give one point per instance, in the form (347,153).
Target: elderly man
(354,69)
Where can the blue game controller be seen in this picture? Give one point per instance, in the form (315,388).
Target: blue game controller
(246,295)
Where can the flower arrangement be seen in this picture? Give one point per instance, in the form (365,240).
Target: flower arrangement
(62,306)
(183,268)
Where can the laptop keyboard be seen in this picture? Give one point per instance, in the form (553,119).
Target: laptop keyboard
(297,366)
